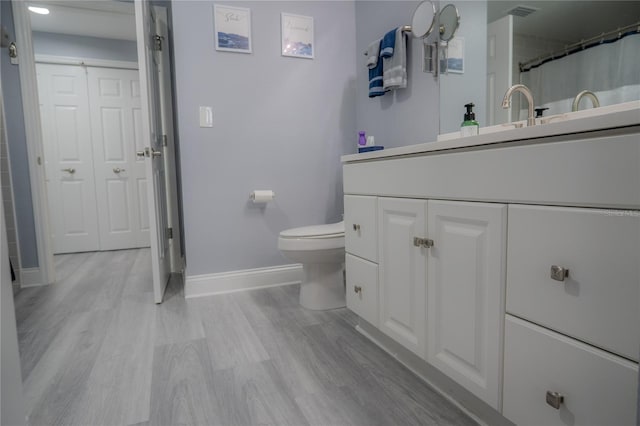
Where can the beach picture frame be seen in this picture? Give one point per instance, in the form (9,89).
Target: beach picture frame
(297,36)
(455,59)
(232,28)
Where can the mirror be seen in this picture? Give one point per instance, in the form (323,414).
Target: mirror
(449,22)
(600,37)
(423,19)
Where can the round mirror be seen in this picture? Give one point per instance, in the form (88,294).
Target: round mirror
(423,19)
(449,22)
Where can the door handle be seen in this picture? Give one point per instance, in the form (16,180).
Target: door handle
(422,242)
(69,170)
(156,153)
(118,170)
(140,153)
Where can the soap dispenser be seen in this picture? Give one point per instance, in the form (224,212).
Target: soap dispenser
(469,126)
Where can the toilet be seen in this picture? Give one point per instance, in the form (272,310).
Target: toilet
(320,249)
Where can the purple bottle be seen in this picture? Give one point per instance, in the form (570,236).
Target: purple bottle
(362,140)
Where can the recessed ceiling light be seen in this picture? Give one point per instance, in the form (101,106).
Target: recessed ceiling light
(39,10)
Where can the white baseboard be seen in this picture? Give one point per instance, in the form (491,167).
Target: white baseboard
(30,277)
(248,279)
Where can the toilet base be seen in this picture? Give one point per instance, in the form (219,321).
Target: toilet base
(323,286)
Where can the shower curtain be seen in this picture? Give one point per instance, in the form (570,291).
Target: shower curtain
(610,70)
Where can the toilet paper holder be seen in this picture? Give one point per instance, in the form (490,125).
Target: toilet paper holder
(262,195)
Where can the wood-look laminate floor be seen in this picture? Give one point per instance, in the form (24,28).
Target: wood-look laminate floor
(96,350)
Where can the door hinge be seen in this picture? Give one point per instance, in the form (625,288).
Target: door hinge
(164,140)
(157,42)
(169,233)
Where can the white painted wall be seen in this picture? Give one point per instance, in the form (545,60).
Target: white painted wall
(280,123)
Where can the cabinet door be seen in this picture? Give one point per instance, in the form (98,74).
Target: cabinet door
(465,301)
(362,288)
(402,271)
(360,231)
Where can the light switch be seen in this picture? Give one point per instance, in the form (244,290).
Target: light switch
(206,116)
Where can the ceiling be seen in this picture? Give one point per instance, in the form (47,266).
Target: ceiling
(568,20)
(97,18)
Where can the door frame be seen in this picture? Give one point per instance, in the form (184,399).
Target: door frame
(33,133)
(34,138)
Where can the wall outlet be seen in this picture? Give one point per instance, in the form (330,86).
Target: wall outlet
(206,116)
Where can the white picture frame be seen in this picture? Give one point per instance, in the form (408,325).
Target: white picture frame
(232,28)
(455,55)
(297,36)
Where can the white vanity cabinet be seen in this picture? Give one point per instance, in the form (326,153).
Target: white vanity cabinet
(403,271)
(465,302)
(473,246)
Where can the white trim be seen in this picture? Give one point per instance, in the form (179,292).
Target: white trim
(33,132)
(89,62)
(30,277)
(248,279)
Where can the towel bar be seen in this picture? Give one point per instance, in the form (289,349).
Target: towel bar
(405,29)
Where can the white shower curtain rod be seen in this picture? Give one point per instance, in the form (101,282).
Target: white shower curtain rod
(581,45)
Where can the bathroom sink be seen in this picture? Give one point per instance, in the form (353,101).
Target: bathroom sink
(586,113)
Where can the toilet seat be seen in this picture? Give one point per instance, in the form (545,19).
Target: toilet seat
(318,237)
(331,230)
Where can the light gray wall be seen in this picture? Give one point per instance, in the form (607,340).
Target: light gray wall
(456,90)
(84,47)
(406,116)
(17,147)
(280,123)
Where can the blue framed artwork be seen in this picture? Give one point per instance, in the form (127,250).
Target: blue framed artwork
(297,36)
(232,26)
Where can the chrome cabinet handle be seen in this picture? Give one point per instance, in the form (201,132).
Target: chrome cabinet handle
(156,153)
(559,273)
(118,170)
(555,399)
(140,153)
(70,170)
(357,289)
(423,242)
(356,227)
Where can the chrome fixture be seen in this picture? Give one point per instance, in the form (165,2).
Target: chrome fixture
(559,273)
(506,102)
(555,399)
(422,242)
(117,170)
(588,94)
(356,227)
(70,170)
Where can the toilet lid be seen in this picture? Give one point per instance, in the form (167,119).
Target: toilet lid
(316,231)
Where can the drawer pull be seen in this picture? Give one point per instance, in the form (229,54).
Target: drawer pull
(555,399)
(558,273)
(357,289)
(356,227)
(422,242)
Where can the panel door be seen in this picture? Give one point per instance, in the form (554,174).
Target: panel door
(66,130)
(402,271)
(465,294)
(121,183)
(147,26)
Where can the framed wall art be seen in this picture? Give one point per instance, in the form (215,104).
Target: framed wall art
(297,36)
(232,26)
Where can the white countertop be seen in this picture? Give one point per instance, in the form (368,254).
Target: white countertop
(621,115)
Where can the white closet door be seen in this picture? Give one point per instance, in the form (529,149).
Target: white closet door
(121,183)
(66,133)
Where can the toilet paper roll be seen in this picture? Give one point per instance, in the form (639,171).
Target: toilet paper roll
(262,196)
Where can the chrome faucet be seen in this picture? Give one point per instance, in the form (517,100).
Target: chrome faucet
(588,94)
(506,102)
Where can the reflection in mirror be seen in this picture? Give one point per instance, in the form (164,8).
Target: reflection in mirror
(559,49)
(449,22)
(423,19)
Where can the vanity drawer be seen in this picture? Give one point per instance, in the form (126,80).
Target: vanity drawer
(362,288)
(598,388)
(361,226)
(598,302)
